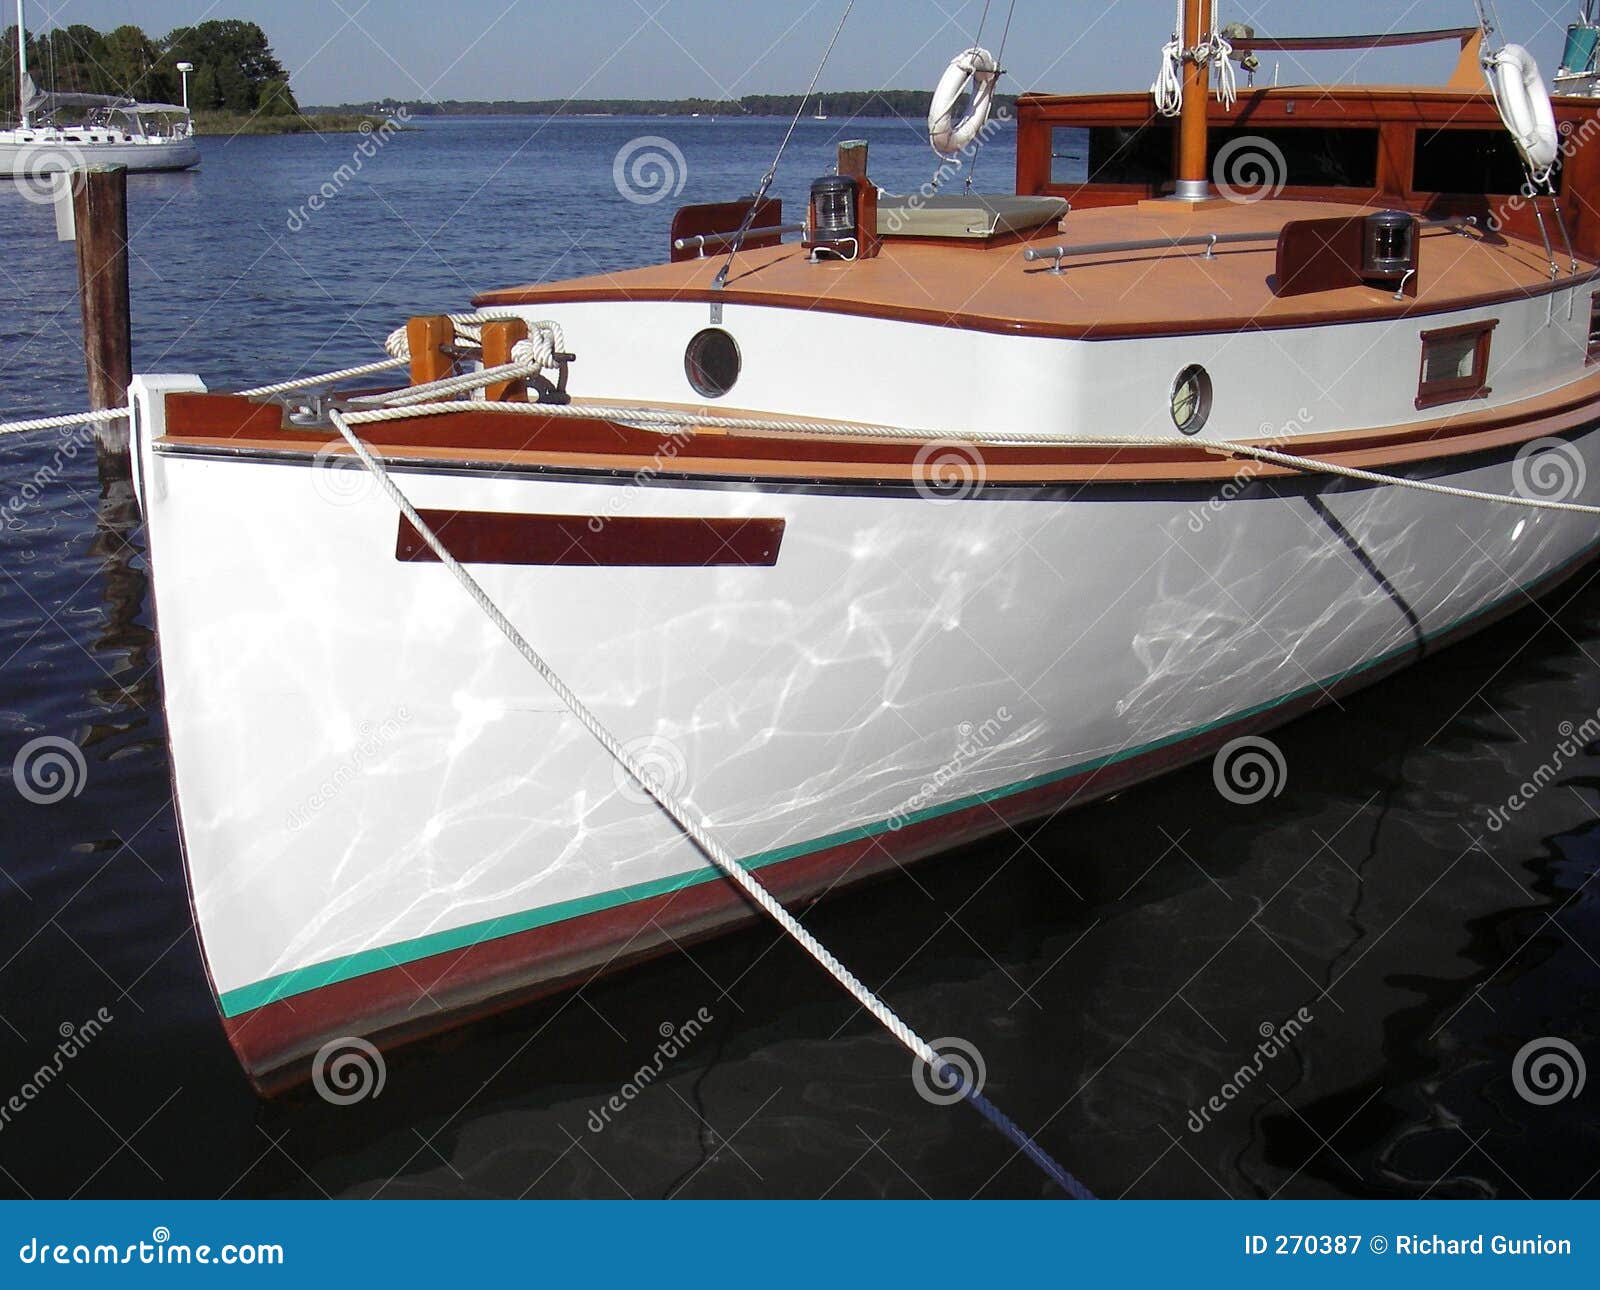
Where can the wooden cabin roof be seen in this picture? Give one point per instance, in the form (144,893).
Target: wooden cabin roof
(1145,292)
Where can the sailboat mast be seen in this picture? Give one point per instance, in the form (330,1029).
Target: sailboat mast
(1192,182)
(22,69)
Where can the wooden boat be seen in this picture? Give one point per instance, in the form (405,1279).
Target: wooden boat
(868,544)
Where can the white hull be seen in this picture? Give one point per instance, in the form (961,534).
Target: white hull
(41,153)
(367,774)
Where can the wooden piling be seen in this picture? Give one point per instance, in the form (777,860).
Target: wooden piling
(100,211)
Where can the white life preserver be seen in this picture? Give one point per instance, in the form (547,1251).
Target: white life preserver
(1525,107)
(975,67)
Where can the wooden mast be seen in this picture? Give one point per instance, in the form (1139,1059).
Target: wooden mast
(1193,183)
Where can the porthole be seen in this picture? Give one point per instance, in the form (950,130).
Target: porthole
(711,362)
(1191,399)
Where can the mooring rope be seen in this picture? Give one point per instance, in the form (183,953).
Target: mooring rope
(326,378)
(61,423)
(536,353)
(1310,465)
(945,1071)
(654,418)
(651,418)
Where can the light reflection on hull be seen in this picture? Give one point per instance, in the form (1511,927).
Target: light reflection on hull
(368,777)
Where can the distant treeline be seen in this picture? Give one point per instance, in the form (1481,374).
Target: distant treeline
(235,68)
(912,104)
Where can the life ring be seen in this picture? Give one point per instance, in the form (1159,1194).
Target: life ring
(1525,107)
(973,67)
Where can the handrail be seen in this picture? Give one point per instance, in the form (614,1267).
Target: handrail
(1207,240)
(700,241)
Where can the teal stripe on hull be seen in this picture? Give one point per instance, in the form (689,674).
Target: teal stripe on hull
(302,980)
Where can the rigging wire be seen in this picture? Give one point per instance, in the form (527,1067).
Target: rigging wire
(718,282)
(999,60)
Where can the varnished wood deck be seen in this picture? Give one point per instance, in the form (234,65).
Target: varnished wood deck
(1158,292)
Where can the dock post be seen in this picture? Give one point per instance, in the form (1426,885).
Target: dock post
(100,212)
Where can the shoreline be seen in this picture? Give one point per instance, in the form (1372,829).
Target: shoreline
(232,124)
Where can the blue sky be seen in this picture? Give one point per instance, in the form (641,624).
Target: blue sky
(355,50)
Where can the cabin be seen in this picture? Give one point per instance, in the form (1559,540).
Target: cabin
(1438,153)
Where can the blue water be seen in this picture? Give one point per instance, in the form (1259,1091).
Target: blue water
(1113,968)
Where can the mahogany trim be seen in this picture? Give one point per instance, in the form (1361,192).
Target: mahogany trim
(1399,112)
(710,218)
(472,440)
(593,541)
(1457,389)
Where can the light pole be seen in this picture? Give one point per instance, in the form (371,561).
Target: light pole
(183,70)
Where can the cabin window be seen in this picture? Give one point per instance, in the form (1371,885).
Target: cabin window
(1468,161)
(1313,156)
(1455,364)
(1112,154)
(1191,399)
(712,362)
(1293,156)
(1594,327)
(1069,154)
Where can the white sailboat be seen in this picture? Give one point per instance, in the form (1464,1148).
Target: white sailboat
(59,132)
